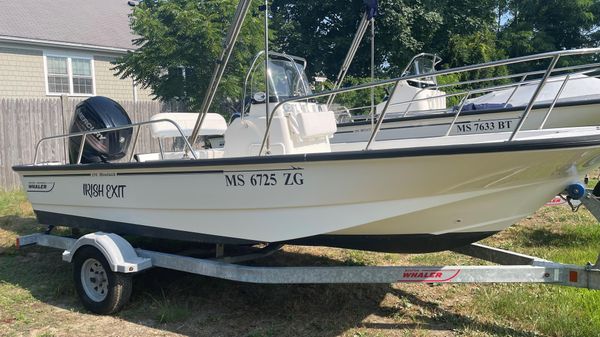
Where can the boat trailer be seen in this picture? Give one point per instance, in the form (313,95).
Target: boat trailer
(107,261)
(104,264)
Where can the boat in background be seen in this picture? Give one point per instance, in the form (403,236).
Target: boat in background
(421,107)
(428,103)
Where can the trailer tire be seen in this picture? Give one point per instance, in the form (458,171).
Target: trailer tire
(101,290)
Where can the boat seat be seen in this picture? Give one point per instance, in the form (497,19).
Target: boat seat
(308,121)
(315,124)
(214,124)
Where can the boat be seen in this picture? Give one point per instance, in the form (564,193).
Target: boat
(419,107)
(279,179)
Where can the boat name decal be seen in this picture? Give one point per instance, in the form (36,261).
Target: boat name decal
(108,191)
(39,186)
(429,275)
(485,126)
(266,178)
(103,174)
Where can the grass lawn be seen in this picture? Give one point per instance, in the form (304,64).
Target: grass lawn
(37,297)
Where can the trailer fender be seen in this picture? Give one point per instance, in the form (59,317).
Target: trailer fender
(119,253)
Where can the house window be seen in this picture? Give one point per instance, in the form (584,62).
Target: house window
(69,75)
(58,76)
(82,76)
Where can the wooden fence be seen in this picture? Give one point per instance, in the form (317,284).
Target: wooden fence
(25,121)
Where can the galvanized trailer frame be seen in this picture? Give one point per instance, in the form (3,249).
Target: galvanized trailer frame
(513,268)
(592,203)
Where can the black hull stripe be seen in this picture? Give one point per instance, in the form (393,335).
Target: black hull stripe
(293,160)
(405,243)
(124,228)
(398,243)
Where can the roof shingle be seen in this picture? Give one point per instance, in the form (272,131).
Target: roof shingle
(102,23)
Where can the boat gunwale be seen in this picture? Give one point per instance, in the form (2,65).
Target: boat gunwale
(439,150)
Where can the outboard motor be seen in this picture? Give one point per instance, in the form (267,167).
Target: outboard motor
(99,113)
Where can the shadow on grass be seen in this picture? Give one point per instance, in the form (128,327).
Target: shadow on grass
(202,306)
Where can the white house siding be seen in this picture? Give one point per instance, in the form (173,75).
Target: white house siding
(109,85)
(21,73)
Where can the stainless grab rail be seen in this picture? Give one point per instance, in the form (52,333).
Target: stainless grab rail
(537,92)
(462,93)
(554,57)
(516,85)
(84,135)
(588,67)
(482,91)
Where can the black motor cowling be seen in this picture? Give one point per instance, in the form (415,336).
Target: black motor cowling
(97,113)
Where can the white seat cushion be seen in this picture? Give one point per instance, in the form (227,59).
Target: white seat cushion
(314,124)
(214,124)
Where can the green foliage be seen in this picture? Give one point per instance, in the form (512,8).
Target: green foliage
(359,98)
(470,49)
(477,47)
(180,37)
(403,29)
(186,34)
(541,25)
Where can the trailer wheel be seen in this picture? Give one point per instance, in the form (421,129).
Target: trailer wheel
(101,290)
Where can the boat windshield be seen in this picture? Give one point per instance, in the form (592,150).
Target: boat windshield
(286,79)
(422,64)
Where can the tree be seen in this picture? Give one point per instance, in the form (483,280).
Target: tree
(179,43)
(547,25)
(181,39)
(320,31)
(323,30)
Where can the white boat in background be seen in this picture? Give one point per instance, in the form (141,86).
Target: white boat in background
(279,179)
(418,107)
(579,87)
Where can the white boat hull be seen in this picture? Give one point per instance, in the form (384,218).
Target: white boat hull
(398,200)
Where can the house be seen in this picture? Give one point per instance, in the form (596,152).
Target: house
(65,47)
